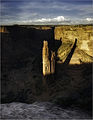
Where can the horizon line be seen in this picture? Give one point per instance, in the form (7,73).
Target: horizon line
(45,24)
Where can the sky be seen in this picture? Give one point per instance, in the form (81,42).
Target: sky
(46,12)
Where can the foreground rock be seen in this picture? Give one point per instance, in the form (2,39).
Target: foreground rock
(39,110)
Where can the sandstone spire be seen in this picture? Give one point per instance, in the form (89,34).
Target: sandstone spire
(45,57)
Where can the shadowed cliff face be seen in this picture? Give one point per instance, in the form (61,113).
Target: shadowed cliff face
(22,51)
(22,79)
(21,43)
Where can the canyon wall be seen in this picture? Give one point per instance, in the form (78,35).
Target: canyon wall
(84,46)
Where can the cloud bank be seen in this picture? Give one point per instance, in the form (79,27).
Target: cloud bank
(56,19)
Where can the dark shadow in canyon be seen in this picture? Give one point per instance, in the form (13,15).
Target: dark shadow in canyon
(21,43)
(75,84)
(71,53)
(21,49)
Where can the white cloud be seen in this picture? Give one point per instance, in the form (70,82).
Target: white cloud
(56,19)
(43,20)
(89,19)
(59,18)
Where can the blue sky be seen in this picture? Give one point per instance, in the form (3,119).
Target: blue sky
(46,11)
